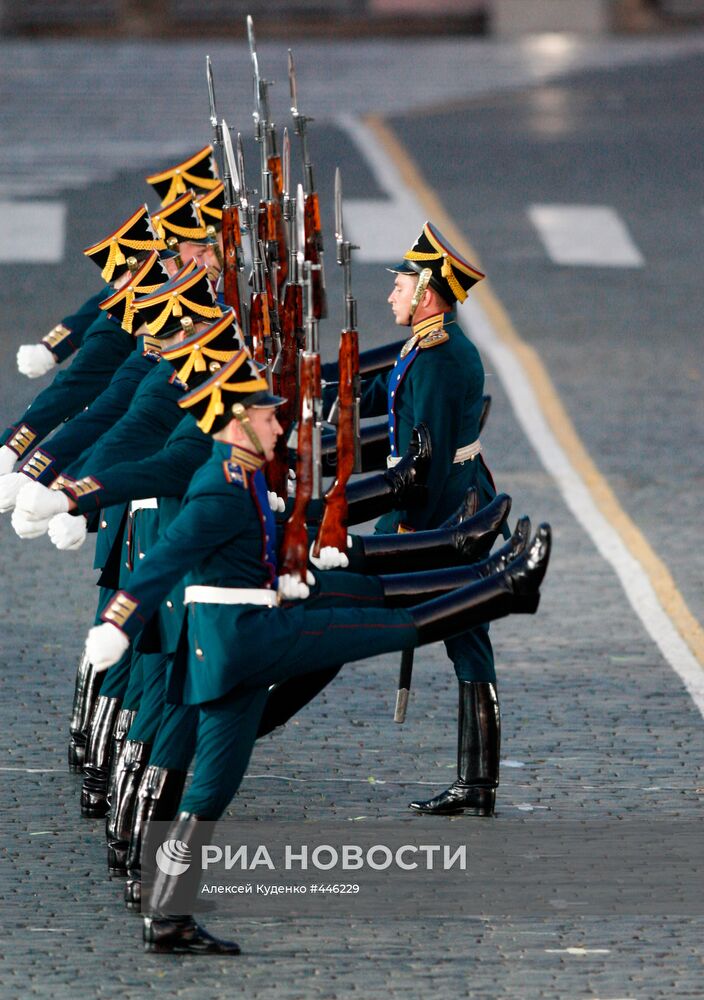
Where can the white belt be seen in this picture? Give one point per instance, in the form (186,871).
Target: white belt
(464,454)
(198,594)
(148,504)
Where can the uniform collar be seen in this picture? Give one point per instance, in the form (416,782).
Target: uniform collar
(249,460)
(422,329)
(428,324)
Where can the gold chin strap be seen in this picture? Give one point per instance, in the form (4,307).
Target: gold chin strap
(240,414)
(212,235)
(423,282)
(172,244)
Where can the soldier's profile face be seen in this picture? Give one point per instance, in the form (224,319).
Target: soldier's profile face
(201,253)
(401,297)
(266,426)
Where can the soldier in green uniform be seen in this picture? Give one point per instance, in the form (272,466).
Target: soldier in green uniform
(142,429)
(35,360)
(438,378)
(224,542)
(104,348)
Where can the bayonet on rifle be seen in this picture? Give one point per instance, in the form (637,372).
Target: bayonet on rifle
(215,125)
(234,282)
(314,236)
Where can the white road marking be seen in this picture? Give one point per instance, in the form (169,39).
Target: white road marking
(585,236)
(379,227)
(32,232)
(608,542)
(576,494)
(578,951)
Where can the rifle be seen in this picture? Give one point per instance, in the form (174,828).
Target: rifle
(233,253)
(333,526)
(313,232)
(284,374)
(271,226)
(259,316)
(294,547)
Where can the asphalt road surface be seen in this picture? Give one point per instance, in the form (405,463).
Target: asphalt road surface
(573,171)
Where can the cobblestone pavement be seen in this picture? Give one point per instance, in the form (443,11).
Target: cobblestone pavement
(595,723)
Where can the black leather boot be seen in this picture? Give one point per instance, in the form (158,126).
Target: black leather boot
(467,509)
(96,769)
(119,738)
(169,929)
(158,797)
(398,488)
(437,548)
(515,589)
(404,589)
(128,775)
(289,697)
(478,746)
(85,693)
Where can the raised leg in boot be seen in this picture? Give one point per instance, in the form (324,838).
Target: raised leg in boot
(158,799)
(96,769)
(85,694)
(127,777)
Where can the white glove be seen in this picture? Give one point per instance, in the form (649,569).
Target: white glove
(330,557)
(105,645)
(276,503)
(67,532)
(291,588)
(9,488)
(34,360)
(28,527)
(39,503)
(7,460)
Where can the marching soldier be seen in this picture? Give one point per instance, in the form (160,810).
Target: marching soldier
(438,378)
(224,541)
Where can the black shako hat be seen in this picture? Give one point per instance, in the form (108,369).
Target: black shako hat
(197,172)
(188,293)
(450,274)
(148,277)
(205,353)
(237,382)
(181,219)
(136,237)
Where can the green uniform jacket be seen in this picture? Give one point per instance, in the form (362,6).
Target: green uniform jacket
(224,536)
(68,446)
(105,347)
(439,381)
(166,475)
(62,344)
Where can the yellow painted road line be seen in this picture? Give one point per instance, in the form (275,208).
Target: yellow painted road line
(647,581)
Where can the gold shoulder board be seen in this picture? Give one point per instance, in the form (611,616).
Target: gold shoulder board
(433,339)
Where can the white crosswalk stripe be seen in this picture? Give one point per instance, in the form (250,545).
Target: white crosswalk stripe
(32,232)
(585,236)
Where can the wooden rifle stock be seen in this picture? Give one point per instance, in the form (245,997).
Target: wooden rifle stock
(259,326)
(277,183)
(231,242)
(294,547)
(333,526)
(267,232)
(285,384)
(313,248)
